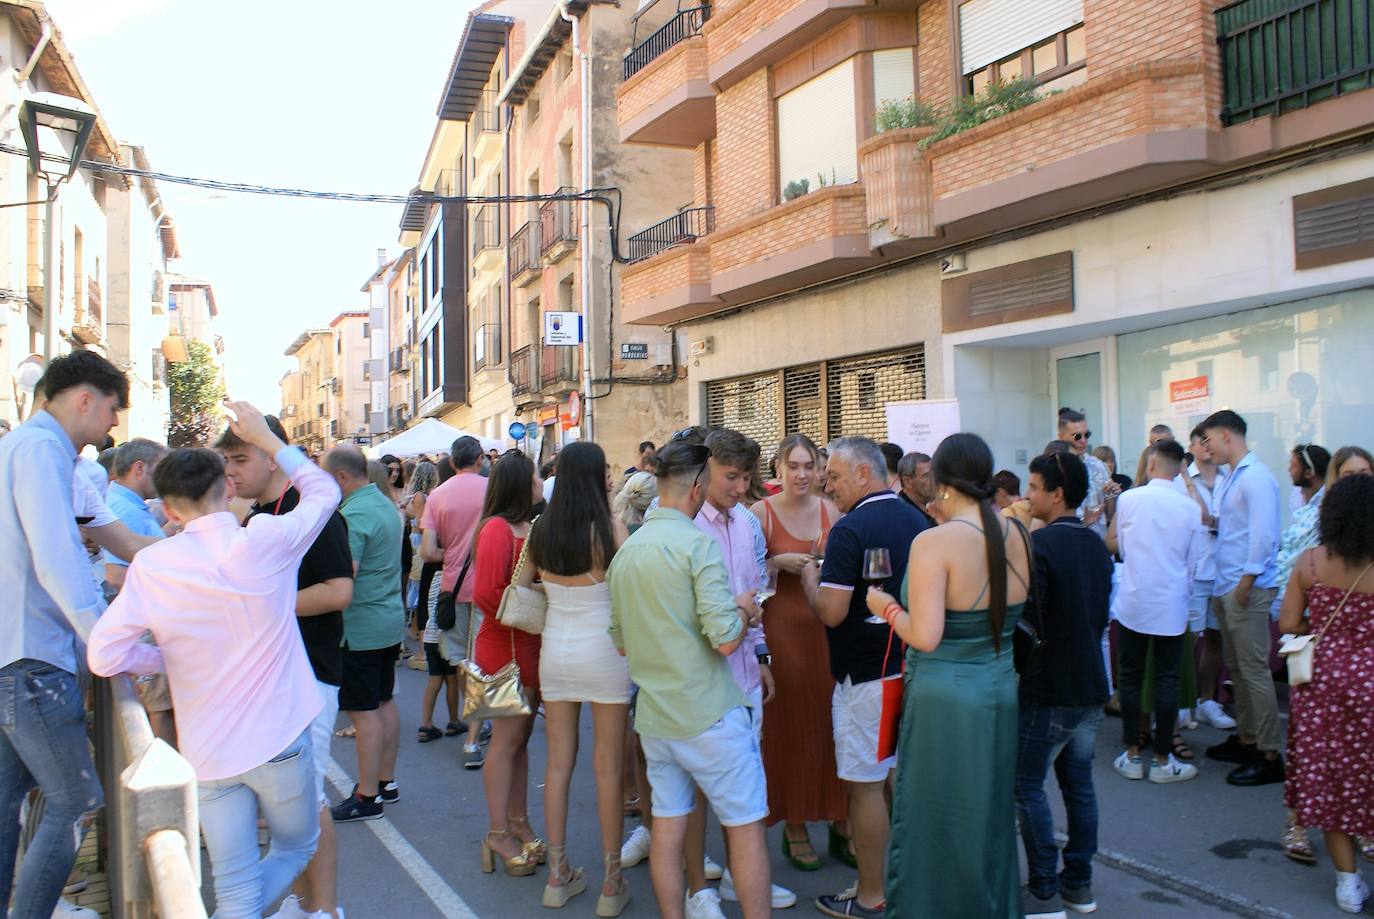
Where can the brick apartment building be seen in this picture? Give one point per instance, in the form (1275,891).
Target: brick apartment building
(1178,208)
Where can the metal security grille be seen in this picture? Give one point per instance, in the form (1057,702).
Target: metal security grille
(803,409)
(858,388)
(746,404)
(823,401)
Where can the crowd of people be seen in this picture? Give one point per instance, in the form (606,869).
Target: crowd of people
(897,646)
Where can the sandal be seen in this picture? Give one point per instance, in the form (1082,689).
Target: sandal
(1181,750)
(570,880)
(534,846)
(1296,845)
(609,906)
(455,728)
(799,852)
(347,733)
(429,733)
(842,848)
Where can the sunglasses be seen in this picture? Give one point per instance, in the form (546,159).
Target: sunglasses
(1082,435)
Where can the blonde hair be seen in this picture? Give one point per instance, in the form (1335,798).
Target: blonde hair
(1343,456)
(634,498)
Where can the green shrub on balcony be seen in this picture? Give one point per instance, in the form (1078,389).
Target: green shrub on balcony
(895,114)
(994,101)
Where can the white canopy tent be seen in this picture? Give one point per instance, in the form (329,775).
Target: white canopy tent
(429,436)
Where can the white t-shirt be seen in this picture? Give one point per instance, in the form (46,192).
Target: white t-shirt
(1159,539)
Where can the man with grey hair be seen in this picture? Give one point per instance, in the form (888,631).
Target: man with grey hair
(918,486)
(875,518)
(374,624)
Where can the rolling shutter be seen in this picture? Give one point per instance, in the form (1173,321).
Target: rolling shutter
(746,404)
(894,77)
(817,131)
(990,30)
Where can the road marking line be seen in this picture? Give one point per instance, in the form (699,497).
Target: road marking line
(444,897)
(1197,890)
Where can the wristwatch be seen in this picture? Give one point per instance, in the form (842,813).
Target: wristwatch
(765,658)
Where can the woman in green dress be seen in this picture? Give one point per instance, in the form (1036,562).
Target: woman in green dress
(953,844)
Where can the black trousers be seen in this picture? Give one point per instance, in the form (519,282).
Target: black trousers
(1132,647)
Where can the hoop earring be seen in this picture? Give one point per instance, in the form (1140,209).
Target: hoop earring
(943,496)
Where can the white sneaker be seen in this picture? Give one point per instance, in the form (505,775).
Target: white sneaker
(635,849)
(714,872)
(1185,720)
(1351,892)
(321,914)
(65,910)
(291,909)
(1129,767)
(704,904)
(782,897)
(1211,712)
(1171,771)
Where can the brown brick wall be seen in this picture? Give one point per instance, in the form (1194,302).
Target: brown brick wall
(677,267)
(744,163)
(734,21)
(1137,99)
(836,211)
(1119,33)
(684,61)
(896,177)
(935,81)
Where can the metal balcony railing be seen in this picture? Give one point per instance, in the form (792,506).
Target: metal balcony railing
(524,249)
(685,226)
(486,117)
(486,346)
(522,370)
(486,228)
(1280,56)
(682,26)
(560,364)
(556,223)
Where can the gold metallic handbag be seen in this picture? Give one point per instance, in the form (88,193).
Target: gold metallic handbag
(523,608)
(497,695)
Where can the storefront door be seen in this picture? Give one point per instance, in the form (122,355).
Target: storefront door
(1079,379)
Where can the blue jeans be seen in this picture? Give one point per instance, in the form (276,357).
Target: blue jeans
(1064,736)
(43,743)
(283,791)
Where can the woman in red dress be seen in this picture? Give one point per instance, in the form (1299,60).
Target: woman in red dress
(798,743)
(511,491)
(1330,760)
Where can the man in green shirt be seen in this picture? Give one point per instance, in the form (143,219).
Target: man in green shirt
(673,618)
(374,624)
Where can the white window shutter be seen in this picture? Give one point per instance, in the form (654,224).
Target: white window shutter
(990,30)
(894,75)
(817,130)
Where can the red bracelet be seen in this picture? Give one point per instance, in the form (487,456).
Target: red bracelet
(891,611)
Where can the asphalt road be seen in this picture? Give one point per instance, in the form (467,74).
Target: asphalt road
(1196,849)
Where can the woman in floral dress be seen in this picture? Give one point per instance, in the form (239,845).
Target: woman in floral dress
(1330,761)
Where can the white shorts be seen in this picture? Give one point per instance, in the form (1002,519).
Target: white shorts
(322,732)
(855,713)
(755,702)
(723,761)
(1200,607)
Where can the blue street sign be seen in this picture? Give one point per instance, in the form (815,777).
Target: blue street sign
(517,431)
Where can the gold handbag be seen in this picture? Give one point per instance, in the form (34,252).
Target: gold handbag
(523,608)
(497,695)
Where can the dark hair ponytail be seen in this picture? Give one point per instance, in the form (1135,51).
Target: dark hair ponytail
(963,462)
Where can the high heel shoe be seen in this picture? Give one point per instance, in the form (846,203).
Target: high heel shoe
(517,866)
(536,846)
(839,848)
(799,853)
(571,881)
(608,907)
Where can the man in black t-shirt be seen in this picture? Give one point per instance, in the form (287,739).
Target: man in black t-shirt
(875,518)
(324,587)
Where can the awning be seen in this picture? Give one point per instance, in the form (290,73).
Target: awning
(483,39)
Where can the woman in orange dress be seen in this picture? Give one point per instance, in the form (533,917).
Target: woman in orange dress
(798,745)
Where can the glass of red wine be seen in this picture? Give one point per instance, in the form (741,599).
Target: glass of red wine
(877,570)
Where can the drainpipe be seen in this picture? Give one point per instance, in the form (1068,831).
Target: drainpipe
(44,37)
(584,242)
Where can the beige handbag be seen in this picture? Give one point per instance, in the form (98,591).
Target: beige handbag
(523,608)
(1299,650)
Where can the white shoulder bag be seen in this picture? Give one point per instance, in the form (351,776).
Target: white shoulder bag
(1299,650)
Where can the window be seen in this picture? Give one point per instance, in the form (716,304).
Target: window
(819,151)
(563,65)
(367,330)
(1006,39)
(894,75)
(531,107)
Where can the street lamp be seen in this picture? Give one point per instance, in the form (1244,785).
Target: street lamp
(44,119)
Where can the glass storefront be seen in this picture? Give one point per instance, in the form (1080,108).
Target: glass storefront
(1297,372)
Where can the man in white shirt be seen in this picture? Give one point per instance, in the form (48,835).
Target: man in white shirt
(1201,482)
(1156,532)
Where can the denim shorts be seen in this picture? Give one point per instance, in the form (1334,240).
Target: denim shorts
(723,761)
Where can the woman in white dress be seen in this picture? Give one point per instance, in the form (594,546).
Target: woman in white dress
(571,547)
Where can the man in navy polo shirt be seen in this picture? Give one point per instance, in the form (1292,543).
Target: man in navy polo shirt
(875,517)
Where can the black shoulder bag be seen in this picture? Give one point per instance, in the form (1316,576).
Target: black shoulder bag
(445,608)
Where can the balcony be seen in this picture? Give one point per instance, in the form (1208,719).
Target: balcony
(87,327)
(486,127)
(670,286)
(521,375)
(744,36)
(557,227)
(667,98)
(525,265)
(1277,61)
(486,239)
(896,177)
(686,226)
(486,347)
(398,361)
(560,366)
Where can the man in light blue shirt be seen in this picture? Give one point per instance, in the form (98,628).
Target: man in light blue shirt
(50,607)
(1247,508)
(128,497)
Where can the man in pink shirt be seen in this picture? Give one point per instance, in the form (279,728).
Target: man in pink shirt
(220,601)
(450,522)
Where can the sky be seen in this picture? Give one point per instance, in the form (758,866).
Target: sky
(333,95)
